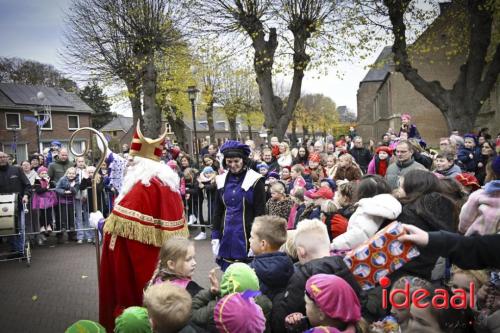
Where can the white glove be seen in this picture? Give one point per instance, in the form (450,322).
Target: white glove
(94,219)
(215,247)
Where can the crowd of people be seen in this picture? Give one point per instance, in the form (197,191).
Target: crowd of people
(283,218)
(60,195)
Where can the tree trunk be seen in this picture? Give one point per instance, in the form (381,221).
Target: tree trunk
(178,127)
(458,118)
(249,131)
(460,105)
(134,96)
(233,133)
(305,131)
(210,119)
(152,117)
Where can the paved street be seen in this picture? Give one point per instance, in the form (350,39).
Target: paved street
(60,287)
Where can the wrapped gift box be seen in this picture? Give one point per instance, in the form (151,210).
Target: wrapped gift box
(379,256)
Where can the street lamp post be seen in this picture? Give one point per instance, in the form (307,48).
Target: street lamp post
(14,128)
(192,92)
(42,116)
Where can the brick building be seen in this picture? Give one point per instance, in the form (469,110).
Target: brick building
(384,94)
(20,108)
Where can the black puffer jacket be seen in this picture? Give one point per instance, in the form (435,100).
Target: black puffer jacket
(293,299)
(362,157)
(430,212)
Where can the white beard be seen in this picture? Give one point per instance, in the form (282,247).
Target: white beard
(143,170)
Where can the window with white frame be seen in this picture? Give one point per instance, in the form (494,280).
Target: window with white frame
(73,122)
(168,128)
(12,121)
(78,147)
(48,125)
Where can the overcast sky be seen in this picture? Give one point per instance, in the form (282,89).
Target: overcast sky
(32,29)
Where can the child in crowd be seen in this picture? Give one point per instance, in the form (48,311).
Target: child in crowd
(313,201)
(280,204)
(67,187)
(408,128)
(263,169)
(272,177)
(176,265)
(85,326)
(375,207)
(238,277)
(347,169)
(380,161)
(402,315)
(315,169)
(273,268)
(289,246)
(87,205)
(468,155)
(286,177)
(335,223)
(331,161)
(169,308)
(43,201)
(172,164)
(439,318)
(313,251)
(461,279)
(445,165)
(467,182)
(133,319)
(206,182)
(330,303)
(297,208)
(297,178)
(238,312)
(194,196)
(336,212)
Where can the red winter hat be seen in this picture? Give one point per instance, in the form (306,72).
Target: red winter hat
(468,179)
(321,193)
(315,157)
(384,148)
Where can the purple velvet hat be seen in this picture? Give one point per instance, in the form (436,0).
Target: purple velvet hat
(238,312)
(232,148)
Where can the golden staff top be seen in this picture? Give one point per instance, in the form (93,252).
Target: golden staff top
(104,152)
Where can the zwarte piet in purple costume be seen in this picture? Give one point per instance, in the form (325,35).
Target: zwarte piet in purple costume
(240,198)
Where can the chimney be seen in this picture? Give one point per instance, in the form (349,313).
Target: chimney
(443,7)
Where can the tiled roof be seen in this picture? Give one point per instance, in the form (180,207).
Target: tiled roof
(118,123)
(20,95)
(381,66)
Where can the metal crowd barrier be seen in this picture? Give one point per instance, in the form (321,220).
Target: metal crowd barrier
(199,208)
(70,215)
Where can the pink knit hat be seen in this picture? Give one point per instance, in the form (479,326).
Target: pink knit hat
(42,169)
(405,116)
(335,297)
(238,312)
(172,164)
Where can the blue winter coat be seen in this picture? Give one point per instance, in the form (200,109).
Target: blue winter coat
(273,270)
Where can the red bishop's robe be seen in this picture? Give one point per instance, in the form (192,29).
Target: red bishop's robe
(145,218)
